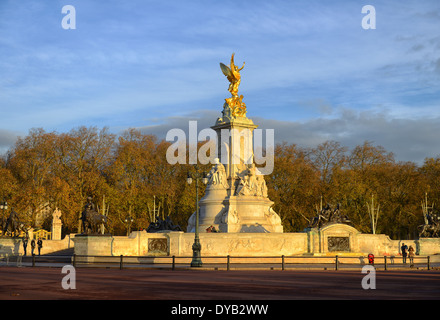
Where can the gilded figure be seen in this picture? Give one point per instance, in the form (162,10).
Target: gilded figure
(232,73)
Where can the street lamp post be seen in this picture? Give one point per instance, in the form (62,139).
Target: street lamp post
(3,207)
(197,247)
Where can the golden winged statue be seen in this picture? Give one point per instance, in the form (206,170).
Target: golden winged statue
(233,75)
(232,72)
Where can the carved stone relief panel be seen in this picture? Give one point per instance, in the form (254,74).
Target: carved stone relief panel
(338,244)
(156,245)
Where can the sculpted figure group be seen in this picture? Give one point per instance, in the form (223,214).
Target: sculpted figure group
(327,216)
(92,221)
(217,177)
(163,225)
(11,226)
(431,229)
(251,183)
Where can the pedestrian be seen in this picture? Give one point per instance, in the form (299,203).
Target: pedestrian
(404,250)
(40,245)
(411,255)
(33,246)
(25,243)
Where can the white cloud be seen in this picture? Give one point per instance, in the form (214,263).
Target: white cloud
(7,140)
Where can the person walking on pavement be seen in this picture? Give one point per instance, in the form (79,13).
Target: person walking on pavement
(411,256)
(25,243)
(404,249)
(40,245)
(32,246)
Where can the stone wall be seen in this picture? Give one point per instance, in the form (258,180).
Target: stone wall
(141,243)
(362,243)
(313,242)
(310,243)
(14,246)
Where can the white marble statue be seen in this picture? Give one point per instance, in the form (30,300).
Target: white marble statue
(251,183)
(217,176)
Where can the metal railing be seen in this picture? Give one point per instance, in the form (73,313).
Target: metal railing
(227,263)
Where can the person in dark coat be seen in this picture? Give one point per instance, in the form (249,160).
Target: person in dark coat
(25,243)
(33,246)
(404,249)
(40,245)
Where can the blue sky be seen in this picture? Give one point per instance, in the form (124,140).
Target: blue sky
(312,72)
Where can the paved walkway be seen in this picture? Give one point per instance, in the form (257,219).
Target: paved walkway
(112,284)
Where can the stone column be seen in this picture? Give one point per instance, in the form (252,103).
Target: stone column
(235,147)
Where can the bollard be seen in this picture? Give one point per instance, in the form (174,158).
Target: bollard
(173,267)
(428,263)
(227,263)
(385,262)
(121,263)
(337,263)
(282,262)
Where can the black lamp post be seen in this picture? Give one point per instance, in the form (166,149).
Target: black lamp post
(197,247)
(3,207)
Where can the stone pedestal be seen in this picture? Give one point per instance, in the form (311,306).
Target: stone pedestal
(249,214)
(211,209)
(93,245)
(333,239)
(56,225)
(235,142)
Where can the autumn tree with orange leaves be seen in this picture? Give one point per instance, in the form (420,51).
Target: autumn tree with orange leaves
(130,176)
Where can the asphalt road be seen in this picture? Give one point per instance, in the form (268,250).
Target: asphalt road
(41,283)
